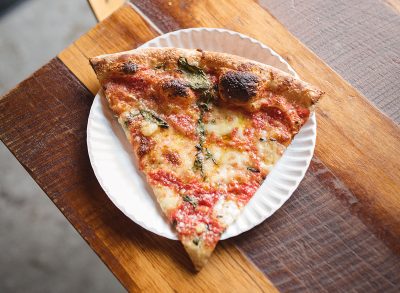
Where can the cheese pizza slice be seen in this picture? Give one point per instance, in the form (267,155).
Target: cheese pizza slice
(206,128)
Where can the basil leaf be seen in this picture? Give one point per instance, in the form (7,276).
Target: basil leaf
(190,200)
(209,155)
(188,68)
(202,153)
(198,163)
(196,77)
(254,170)
(129,118)
(265,139)
(152,117)
(160,66)
(196,241)
(201,131)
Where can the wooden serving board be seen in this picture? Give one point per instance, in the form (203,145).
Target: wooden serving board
(340,231)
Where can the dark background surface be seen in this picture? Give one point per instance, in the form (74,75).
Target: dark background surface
(41,251)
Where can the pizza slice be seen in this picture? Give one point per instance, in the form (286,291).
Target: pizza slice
(206,128)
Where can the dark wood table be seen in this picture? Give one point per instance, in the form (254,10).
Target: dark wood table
(340,231)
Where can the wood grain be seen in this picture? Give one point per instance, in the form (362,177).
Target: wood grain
(43,122)
(122,31)
(358,39)
(316,242)
(104,8)
(355,140)
(340,229)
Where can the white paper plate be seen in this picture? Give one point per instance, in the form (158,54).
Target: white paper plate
(115,167)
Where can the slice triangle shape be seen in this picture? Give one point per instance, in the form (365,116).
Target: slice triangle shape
(206,129)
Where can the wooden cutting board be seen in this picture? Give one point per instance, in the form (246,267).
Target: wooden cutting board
(339,231)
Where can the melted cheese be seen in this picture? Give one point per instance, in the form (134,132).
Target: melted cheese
(200,228)
(121,120)
(227,211)
(222,127)
(168,199)
(230,164)
(269,153)
(167,140)
(148,128)
(224,122)
(234,158)
(169,151)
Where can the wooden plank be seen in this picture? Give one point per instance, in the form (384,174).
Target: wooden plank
(104,8)
(367,55)
(122,31)
(116,239)
(356,141)
(43,122)
(316,242)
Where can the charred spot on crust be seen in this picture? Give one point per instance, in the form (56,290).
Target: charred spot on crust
(129,67)
(97,64)
(238,85)
(176,88)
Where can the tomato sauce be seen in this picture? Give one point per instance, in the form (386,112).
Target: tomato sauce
(196,208)
(243,191)
(275,118)
(303,113)
(189,187)
(134,83)
(188,218)
(183,123)
(198,202)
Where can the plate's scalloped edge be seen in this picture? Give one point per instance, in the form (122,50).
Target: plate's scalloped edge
(104,186)
(282,200)
(224,31)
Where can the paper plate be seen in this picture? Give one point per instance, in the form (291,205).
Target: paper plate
(116,169)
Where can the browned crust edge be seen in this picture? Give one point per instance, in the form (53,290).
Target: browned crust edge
(295,88)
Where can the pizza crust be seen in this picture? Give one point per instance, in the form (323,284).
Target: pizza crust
(199,254)
(304,93)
